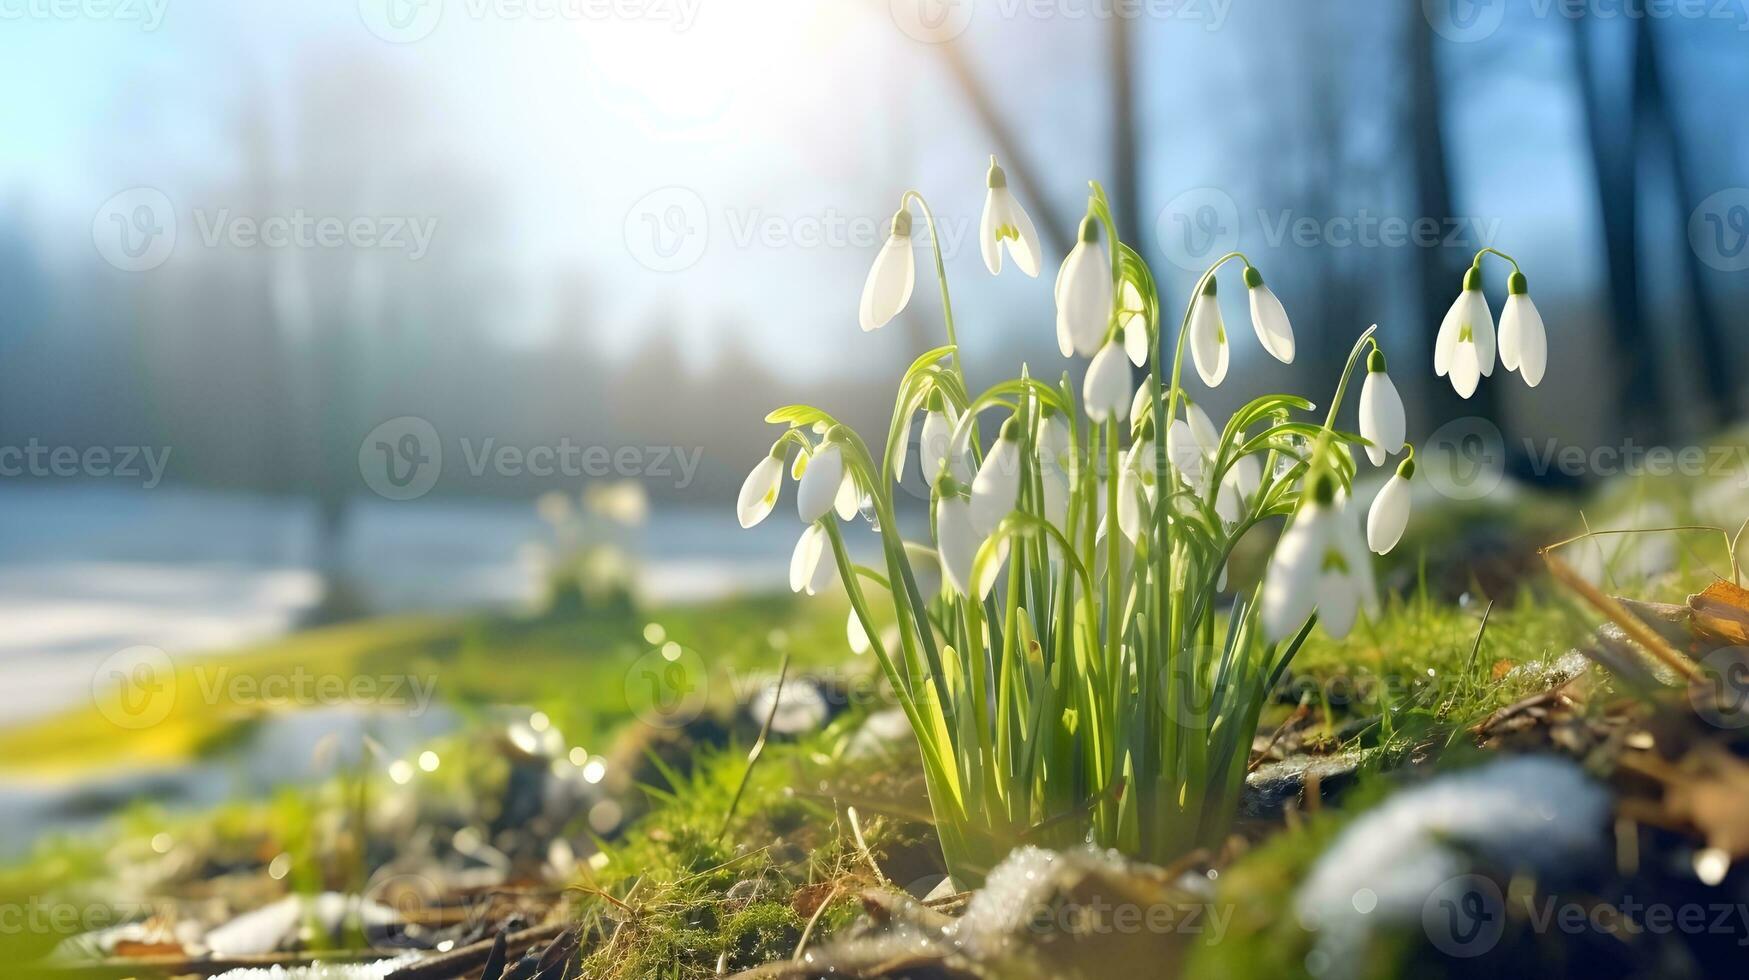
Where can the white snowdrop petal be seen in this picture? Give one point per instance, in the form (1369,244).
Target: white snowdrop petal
(1288,583)
(1447,340)
(956,542)
(902,451)
(997,486)
(818,489)
(858,637)
(1508,337)
(848,499)
(1025,248)
(1105,392)
(1208,438)
(1466,369)
(987,225)
(932,444)
(1338,603)
(759,491)
(1135,338)
(805,560)
(1382,420)
(1533,342)
(1208,340)
(1084,297)
(889,283)
(1481,321)
(1270,320)
(1389,515)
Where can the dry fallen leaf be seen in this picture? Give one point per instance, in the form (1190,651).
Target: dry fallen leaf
(1722,611)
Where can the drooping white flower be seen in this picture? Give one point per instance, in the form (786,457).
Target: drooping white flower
(1274,331)
(958,540)
(820,483)
(997,486)
(1208,337)
(1464,348)
(1237,485)
(1053,441)
(809,569)
(759,490)
(1208,438)
(1083,294)
(1185,452)
(1318,565)
(1005,221)
(1105,392)
(1135,485)
(1389,513)
(890,279)
(1132,323)
(1381,411)
(1524,343)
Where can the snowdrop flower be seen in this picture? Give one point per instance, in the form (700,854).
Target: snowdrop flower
(1006,221)
(820,484)
(1053,441)
(1208,337)
(1465,346)
(858,637)
(935,443)
(848,501)
(808,570)
(759,490)
(1106,384)
(1274,331)
(1381,411)
(888,287)
(1317,566)
(1083,294)
(958,541)
(1135,484)
(1390,510)
(1524,344)
(1237,485)
(1208,438)
(997,487)
(1185,451)
(1132,323)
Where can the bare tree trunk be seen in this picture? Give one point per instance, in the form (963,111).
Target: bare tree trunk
(1711,348)
(1440,271)
(1639,397)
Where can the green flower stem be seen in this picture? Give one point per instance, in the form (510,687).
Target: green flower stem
(1476,263)
(941,277)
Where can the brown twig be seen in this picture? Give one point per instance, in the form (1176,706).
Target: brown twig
(1630,624)
(448,966)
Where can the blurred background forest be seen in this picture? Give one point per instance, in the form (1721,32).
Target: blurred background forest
(646,231)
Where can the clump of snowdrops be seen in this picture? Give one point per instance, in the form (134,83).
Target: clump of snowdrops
(1079,673)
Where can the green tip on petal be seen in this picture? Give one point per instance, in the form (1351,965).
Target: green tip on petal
(1517,285)
(902,223)
(996,177)
(1375,362)
(936,402)
(779,449)
(1473,278)
(1406,469)
(947,486)
(1208,288)
(1047,411)
(1324,490)
(1253,278)
(1011,428)
(1089,229)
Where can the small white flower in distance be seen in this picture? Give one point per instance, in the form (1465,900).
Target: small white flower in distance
(759,490)
(820,483)
(1208,337)
(1005,222)
(1083,294)
(809,569)
(1274,331)
(1389,514)
(997,486)
(1381,411)
(888,286)
(1464,349)
(1105,392)
(1524,343)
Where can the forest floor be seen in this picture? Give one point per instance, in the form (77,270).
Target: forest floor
(704,790)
